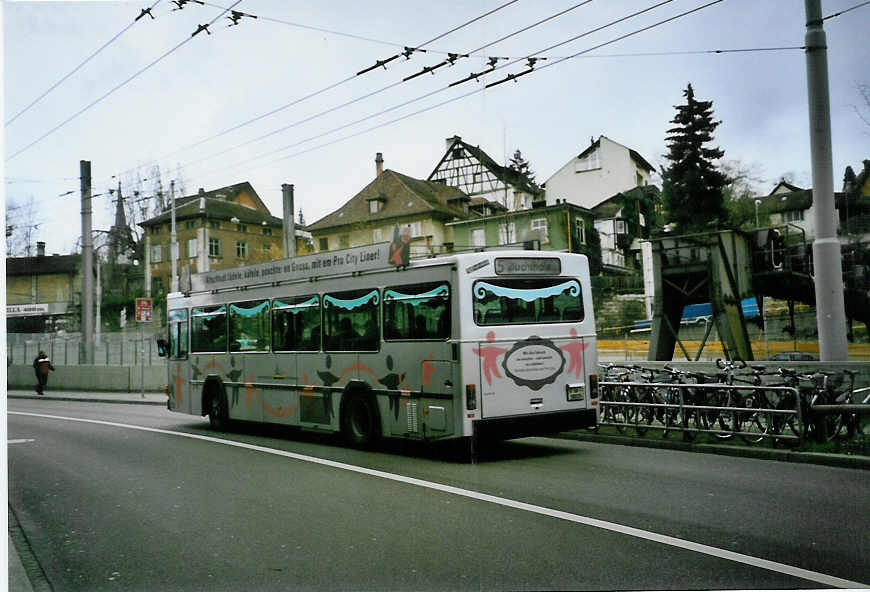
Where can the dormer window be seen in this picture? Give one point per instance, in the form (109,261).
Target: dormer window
(376,204)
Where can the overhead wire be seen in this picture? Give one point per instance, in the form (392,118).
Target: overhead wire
(108,93)
(842,12)
(378,91)
(77,68)
(333,85)
(459,97)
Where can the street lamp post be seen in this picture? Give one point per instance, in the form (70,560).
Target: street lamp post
(757,203)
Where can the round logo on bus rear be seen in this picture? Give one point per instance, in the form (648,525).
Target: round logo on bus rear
(534,362)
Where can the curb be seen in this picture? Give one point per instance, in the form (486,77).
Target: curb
(831,460)
(87,400)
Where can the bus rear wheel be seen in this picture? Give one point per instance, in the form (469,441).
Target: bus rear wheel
(360,424)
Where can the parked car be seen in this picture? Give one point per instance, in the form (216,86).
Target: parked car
(794,356)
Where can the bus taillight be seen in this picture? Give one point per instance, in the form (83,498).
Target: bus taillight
(593,386)
(470,397)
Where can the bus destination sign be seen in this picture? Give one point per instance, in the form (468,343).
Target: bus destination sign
(528,266)
(365,258)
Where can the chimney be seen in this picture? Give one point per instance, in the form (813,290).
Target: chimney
(379,164)
(289,224)
(40,249)
(201,191)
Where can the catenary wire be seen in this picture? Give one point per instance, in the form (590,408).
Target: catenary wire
(77,68)
(375,92)
(125,82)
(842,12)
(459,97)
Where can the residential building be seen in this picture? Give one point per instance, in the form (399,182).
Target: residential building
(472,171)
(622,222)
(393,200)
(600,171)
(560,227)
(853,204)
(789,204)
(43,293)
(225,227)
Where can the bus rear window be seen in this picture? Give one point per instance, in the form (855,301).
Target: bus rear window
(209,329)
(527,301)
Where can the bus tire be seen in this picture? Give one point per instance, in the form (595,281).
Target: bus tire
(217,409)
(360,421)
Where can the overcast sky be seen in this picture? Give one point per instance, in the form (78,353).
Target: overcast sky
(178,112)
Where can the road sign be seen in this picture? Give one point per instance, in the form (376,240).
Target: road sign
(143,310)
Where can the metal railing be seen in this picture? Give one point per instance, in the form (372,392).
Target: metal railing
(113,349)
(752,413)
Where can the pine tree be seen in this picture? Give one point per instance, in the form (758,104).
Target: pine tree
(521,165)
(692,187)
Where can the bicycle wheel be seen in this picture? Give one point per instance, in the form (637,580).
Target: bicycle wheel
(645,415)
(672,415)
(753,424)
(785,423)
(720,419)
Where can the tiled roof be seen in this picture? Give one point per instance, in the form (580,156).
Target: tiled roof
(786,202)
(401,196)
(640,160)
(68,264)
(611,206)
(216,209)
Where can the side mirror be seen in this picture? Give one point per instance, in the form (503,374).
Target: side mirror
(162,347)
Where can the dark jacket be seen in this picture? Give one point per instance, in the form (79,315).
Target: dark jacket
(42,365)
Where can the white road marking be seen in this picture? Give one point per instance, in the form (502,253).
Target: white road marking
(783,568)
(21,441)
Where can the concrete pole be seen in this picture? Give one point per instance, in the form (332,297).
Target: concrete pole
(147,270)
(98,327)
(830,307)
(87,353)
(173,246)
(289,223)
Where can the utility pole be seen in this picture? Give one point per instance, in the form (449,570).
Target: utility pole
(289,224)
(173,248)
(830,306)
(86,355)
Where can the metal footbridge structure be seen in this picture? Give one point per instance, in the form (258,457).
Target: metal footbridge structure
(725,267)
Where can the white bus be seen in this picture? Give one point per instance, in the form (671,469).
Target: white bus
(499,344)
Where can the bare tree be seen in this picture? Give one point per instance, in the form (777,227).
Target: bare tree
(863,113)
(21,224)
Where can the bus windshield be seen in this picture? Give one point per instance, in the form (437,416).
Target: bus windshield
(521,301)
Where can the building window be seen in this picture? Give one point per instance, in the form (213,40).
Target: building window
(374,206)
(155,229)
(793,216)
(478,237)
(416,229)
(324,244)
(619,226)
(267,247)
(241,250)
(241,228)
(156,253)
(190,224)
(377,235)
(267,231)
(192,248)
(344,241)
(214,247)
(590,162)
(214,224)
(638,178)
(156,285)
(540,225)
(580,230)
(507,233)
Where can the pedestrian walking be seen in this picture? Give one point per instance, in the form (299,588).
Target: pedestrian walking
(41,366)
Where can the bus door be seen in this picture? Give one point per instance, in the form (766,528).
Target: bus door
(179,362)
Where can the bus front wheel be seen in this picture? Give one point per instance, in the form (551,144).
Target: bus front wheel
(217,411)
(360,424)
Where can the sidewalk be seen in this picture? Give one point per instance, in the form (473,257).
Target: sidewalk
(150,398)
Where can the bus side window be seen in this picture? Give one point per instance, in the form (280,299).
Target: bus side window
(250,326)
(296,323)
(209,329)
(417,312)
(350,321)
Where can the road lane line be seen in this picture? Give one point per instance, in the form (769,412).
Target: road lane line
(783,568)
(20,441)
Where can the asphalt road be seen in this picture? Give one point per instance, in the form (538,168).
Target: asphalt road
(109,507)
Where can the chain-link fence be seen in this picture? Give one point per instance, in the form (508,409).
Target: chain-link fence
(112,349)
